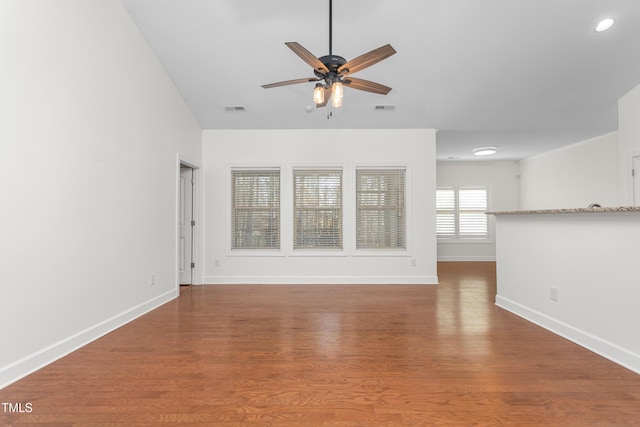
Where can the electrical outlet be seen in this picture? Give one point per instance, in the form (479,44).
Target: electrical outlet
(553,294)
(216,262)
(152,280)
(413,263)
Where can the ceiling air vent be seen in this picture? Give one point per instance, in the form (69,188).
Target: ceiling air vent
(234,108)
(384,107)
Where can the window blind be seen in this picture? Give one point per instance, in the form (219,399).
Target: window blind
(317,208)
(471,210)
(446,213)
(380,209)
(255,204)
(460,213)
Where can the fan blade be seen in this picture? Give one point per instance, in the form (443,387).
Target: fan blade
(366,60)
(307,57)
(327,95)
(366,85)
(290,82)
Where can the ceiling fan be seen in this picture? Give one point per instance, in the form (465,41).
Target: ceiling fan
(335,71)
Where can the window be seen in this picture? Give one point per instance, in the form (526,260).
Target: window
(461,213)
(317,209)
(380,209)
(255,204)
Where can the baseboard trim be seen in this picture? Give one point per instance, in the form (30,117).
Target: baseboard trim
(31,363)
(321,280)
(467,258)
(602,347)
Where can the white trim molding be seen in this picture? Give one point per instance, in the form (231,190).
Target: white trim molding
(321,280)
(39,359)
(462,258)
(602,347)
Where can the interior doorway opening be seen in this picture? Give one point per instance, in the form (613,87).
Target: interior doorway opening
(187,223)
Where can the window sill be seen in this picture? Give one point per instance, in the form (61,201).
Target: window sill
(466,241)
(381,253)
(255,252)
(317,253)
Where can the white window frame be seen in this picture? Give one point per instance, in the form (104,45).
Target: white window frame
(264,252)
(489,238)
(386,252)
(290,218)
(402,209)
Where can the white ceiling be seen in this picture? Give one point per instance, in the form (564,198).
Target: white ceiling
(523,75)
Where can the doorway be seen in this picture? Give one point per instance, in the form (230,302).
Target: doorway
(186,225)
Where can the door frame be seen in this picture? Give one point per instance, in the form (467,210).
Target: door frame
(635,179)
(186,226)
(196,215)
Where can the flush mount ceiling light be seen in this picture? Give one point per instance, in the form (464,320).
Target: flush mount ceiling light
(605,24)
(485,151)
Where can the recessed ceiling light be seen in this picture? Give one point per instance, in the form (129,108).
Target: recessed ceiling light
(605,24)
(485,151)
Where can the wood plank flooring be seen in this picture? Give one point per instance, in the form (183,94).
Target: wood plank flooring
(332,355)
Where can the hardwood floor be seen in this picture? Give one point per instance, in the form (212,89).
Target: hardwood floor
(332,355)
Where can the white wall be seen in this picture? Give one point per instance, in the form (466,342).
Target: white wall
(346,148)
(593,171)
(629,140)
(573,177)
(90,131)
(502,181)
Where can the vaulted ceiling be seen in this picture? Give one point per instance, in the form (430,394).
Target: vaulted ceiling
(526,76)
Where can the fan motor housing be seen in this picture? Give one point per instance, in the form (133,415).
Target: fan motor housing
(332,62)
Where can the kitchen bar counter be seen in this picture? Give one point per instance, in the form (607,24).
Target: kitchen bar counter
(575,272)
(570,211)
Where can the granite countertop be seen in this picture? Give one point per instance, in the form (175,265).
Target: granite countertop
(573,210)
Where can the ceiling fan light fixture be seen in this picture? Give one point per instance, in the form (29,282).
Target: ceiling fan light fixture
(605,24)
(337,90)
(485,151)
(318,94)
(336,101)
(333,68)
